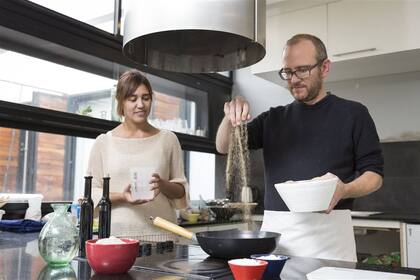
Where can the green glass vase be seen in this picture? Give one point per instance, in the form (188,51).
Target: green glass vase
(57,273)
(58,241)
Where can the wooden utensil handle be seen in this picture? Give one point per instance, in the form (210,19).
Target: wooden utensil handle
(166,225)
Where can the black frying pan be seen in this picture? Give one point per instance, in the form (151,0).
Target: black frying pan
(226,244)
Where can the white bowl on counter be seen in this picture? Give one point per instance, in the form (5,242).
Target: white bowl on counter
(308,195)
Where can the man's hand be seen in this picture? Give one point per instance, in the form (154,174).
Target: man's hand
(129,198)
(339,193)
(237,111)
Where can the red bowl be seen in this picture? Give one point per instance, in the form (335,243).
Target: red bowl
(112,259)
(247,269)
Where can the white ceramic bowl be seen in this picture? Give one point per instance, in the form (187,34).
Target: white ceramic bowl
(309,195)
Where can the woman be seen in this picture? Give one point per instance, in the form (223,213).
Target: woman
(135,143)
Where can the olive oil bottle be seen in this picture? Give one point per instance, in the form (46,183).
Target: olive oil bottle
(105,211)
(86,216)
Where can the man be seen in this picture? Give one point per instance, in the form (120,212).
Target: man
(318,133)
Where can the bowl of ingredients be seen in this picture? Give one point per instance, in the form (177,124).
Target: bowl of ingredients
(223,213)
(111,255)
(308,195)
(247,269)
(274,267)
(193,217)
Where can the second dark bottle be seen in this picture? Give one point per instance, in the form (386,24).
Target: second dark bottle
(86,216)
(105,211)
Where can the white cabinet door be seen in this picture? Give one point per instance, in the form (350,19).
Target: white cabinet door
(359,28)
(283,26)
(413,245)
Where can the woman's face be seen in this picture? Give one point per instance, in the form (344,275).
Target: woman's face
(137,106)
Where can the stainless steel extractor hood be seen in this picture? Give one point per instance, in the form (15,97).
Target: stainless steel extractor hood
(195,36)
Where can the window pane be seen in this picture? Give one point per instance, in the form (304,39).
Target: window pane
(55,166)
(201,175)
(50,164)
(32,163)
(49,85)
(98,13)
(179,108)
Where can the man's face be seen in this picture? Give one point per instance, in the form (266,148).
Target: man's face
(300,55)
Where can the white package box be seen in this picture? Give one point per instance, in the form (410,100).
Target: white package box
(338,273)
(140,178)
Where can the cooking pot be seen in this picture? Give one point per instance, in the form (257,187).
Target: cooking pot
(226,244)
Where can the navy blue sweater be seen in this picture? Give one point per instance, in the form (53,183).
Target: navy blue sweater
(300,142)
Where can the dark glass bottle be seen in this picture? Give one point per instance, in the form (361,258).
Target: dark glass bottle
(86,216)
(105,211)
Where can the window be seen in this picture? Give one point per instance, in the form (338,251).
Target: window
(98,13)
(49,85)
(35,162)
(54,165)
(63,97)
(201,175)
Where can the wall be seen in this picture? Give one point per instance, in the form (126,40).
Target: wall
(392,100)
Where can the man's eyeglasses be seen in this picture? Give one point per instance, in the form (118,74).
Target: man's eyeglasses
(301,71)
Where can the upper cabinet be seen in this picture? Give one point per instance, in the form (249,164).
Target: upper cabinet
(283,26)
(363,38)
(367,28)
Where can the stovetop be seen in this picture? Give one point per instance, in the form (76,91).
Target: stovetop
(187,261)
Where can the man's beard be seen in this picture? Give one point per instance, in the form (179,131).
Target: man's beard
(313,91)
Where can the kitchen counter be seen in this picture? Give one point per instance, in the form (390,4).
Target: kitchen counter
(207,223)
(399,222)
(19,259)
(409,218)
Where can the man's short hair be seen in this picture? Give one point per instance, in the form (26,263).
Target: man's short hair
(321,51)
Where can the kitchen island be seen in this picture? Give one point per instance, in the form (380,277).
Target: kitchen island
(19,259)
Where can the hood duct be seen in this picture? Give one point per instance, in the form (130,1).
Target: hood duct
(195,36)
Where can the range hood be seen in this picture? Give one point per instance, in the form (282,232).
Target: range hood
(195,36)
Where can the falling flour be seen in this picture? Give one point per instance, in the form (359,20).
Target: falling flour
(238,166)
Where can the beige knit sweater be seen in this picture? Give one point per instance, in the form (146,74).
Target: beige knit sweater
(114,156)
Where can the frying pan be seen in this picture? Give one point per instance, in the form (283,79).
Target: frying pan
(226,244)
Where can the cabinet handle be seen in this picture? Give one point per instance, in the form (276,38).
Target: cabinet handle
(353,52)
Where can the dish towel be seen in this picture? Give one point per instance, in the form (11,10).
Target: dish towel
(21,225)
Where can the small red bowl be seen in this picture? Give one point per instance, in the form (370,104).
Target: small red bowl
(247,269)
(112,258)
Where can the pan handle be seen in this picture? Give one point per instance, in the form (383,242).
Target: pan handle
(166,225)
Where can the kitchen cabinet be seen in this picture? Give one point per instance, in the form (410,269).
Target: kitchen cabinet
(363,38)
(413,245)
(283,26)
(366,28)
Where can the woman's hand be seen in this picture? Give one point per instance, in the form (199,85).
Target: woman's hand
(170,189)
(157,183)
(129,198)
